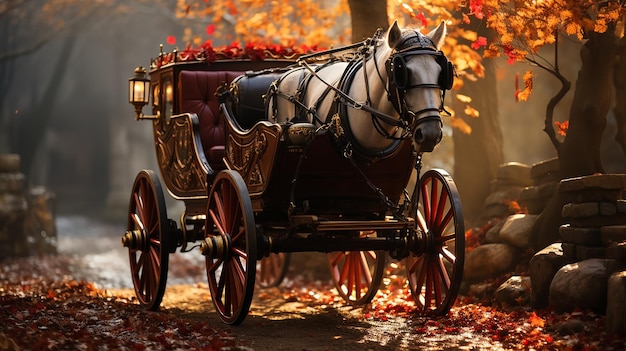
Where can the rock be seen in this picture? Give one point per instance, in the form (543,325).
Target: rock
(516,229)
(481,290)
(493,234)
(581,285)
(12,183)
(542,268)
(598,221)
(581,236)
(514,173)
(579,210)
(9,163)
(613,234)
(596,181)
(545,171)
(514,292)
(584,252)
(617,251)
(503,196)
(534,198)
(570,326)
(489,261)
(616,304)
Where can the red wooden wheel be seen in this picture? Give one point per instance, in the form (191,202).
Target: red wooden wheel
(271,270)
(231,260)
(435,265)
(357,274)
(147,239)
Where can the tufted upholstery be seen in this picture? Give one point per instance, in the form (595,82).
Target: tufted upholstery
(196,94)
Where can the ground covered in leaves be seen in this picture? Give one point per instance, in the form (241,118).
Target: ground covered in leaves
(43,307)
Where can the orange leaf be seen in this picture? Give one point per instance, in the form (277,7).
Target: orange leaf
(461,125)
(472,112)
(536,321)
(528,87)
(562,127)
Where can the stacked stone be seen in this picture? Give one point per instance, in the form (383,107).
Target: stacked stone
(511,179)
(545,179)
(508,238)
(592,203)
(588,269)
(13,207)
(597,233)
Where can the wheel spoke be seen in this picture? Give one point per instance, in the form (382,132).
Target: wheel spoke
(443,272)
(365,268)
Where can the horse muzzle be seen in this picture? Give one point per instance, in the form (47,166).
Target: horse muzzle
(428,134)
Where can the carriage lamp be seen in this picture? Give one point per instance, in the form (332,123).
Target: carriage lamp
(139,92)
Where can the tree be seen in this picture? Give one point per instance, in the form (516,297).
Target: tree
(524,27)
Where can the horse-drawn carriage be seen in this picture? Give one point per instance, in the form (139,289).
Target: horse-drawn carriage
(308,153)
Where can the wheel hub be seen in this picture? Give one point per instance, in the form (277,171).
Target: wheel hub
(216,247)
(421,242)
(135,239)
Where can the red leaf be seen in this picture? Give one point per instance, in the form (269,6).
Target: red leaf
(480,42)
(210,29)
(422,19)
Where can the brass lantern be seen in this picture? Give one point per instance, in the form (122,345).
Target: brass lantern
(139,91)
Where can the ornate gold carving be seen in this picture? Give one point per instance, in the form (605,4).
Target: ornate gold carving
(180,156)
(252,153)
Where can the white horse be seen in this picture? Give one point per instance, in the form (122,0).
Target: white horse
(389,90)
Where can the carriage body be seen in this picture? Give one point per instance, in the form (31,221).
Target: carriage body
(271,188)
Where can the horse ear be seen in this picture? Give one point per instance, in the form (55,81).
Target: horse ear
(438,34)
(394,35)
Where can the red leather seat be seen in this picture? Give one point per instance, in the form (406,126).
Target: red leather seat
(196,91)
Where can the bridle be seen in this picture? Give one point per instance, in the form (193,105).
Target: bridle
(398,82)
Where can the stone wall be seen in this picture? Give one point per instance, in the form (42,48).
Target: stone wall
(27,220)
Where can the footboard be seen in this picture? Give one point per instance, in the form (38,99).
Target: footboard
(181,159)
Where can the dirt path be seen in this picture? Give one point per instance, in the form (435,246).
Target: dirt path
(275,322)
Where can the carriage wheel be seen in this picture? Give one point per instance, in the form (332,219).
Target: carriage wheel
(147,239)
(272,270)
(357,274)
(435,265)
(230,246)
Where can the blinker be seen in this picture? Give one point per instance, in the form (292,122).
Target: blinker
(401,77)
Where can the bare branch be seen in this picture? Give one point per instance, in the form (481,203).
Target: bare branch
(565,87)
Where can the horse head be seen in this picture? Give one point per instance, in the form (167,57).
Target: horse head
(418,76)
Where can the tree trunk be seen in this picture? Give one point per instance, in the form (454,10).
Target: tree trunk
(33,129)
(579,154)
(367,16)
(619,81)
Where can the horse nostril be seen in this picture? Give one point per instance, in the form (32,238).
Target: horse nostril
(418,136)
